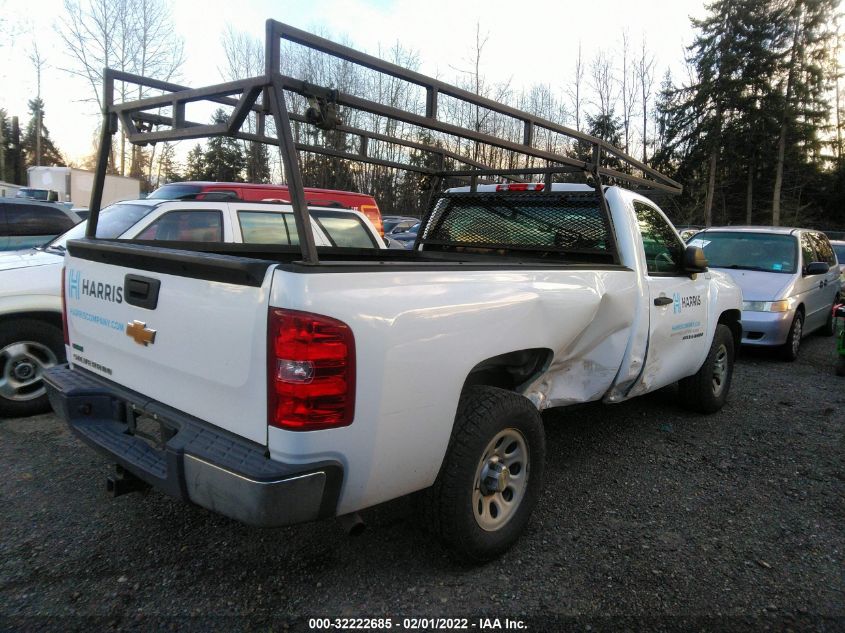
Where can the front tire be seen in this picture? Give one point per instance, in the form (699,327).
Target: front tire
(789,350)
(491,476)
(27,349)
(707,390)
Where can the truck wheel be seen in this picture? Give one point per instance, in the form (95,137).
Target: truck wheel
(491,476)
(27,349)
(707,390)
(789,350)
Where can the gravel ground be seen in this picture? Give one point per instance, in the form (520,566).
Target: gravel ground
(652,518)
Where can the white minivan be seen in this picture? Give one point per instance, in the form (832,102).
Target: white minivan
(789,279)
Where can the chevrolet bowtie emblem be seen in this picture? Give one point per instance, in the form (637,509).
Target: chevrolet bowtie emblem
(140,333)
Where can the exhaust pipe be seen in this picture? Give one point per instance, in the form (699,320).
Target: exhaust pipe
(352,523)
(123,482)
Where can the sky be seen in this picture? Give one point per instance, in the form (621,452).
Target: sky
(524,46)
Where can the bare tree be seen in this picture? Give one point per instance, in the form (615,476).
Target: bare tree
(38,62)
(574,92)
(244,55)
(645,77)
(603,84)
(245,58)
(159,52)
(130,35)
(628,89)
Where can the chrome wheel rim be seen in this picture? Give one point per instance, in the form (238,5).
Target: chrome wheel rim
(797,328)
(720,370)
(501,480)
(22,365)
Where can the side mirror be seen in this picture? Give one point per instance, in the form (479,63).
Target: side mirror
(817,268)
(695,260)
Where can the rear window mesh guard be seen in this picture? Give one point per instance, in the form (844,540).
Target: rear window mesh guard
(562,225)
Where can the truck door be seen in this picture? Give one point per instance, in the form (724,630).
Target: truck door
(678,333)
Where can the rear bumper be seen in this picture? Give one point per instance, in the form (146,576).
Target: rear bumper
(766,328)
(194,461)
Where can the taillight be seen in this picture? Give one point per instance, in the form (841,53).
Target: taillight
(521,186)
(311,371)
(373,215)
(64,309)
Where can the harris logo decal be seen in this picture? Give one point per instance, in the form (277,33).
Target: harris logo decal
(73,278)
(77,286)
(679,303)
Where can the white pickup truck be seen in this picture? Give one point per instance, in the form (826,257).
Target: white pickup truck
(276,384)
(277,392)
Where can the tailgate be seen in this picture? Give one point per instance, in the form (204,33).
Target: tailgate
(182,328)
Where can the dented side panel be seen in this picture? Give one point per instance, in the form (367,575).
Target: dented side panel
(418,335)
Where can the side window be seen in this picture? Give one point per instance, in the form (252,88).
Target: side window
(824,251)
(344,230)
(36,220)
(808,252)
(262,227)
(663,250)
(186,226)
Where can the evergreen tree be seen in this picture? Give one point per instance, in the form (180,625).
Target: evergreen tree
(168,168)
(195,168)
(802,74)
(224,159)
(257,163)
(330,172)
(7,157)
(49,154)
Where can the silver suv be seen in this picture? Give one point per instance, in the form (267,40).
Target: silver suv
(789,280)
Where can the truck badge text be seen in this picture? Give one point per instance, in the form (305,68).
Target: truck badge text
(103,291)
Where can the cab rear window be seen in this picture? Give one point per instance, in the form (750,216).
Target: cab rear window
(545,224)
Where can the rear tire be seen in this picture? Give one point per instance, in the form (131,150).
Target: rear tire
(789,350)
(707,390)
(491,476)
(27,349)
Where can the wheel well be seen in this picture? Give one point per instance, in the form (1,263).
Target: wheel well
(510,371)
(53,318)
(733,319)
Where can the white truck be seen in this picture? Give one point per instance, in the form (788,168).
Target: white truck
(75,185)
(276,386)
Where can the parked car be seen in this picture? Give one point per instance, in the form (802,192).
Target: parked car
(407,238)
(25,223)
(789,279)
(686,232)
(398,223)
(30,280)
(839,249)
(199,190)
